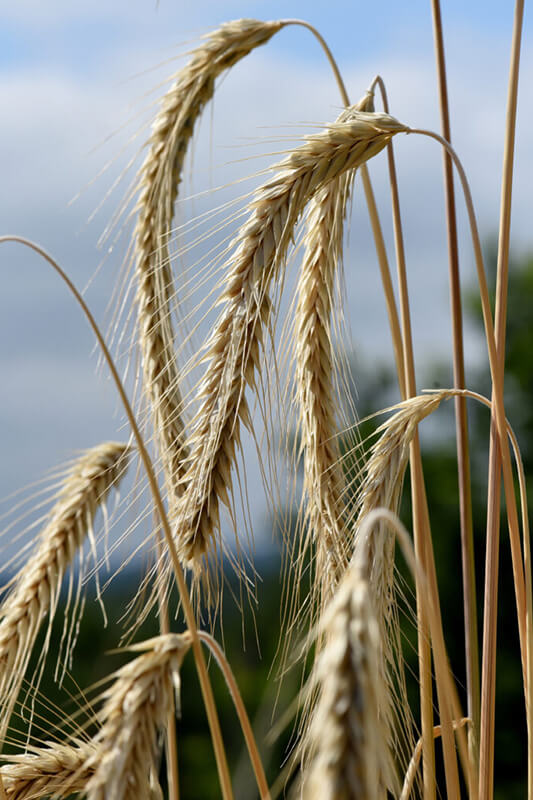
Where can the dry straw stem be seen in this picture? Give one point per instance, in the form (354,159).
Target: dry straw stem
(421,526)
(347,739)
(244,720)
(461,421)
(135,711)
(499,424)
(497,459)
(158,184)
(38,585)
(55,770)
(314,380)
(498,417)
(233,349)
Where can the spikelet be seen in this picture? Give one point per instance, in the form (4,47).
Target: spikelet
(233,349)
(37,587)
(158,183)
(347,740)
(124,758)
(323,482)
(55,769)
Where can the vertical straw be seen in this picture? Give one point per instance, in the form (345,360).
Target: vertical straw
(488,685)
(461,422)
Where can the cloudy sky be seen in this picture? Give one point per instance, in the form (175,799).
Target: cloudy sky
(75,83)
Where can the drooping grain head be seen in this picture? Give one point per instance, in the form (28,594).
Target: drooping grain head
(322,524)
(37,586)
(54,770)
(125,755)
(158,184)
(381,488)
(233,349)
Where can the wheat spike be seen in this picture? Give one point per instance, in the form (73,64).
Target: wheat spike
(347,738)
(158,182)
(38,584)
(323,474)
(124,759)
(54,770)
(381,488)
(233,349)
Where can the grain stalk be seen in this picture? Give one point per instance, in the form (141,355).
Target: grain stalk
(488,686)
(415,759)
(524,624)
(421,524)
(461,421)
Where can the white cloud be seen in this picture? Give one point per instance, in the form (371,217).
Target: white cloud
(57,112)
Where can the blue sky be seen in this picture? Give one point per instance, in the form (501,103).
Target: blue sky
(72,74)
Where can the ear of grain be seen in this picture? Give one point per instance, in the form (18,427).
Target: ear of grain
(37,587)
(381,488)
(233,349)
(159,180)
(54,770)
(347,740)
(125,753)
(323,521)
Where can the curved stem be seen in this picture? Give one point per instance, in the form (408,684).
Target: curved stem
(461,420)
(372,211)
(327,51)
(415,760)
(246,727)
(201,667)
(497,399)
(488,687)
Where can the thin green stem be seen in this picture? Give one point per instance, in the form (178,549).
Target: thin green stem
(205,685)
(461,421)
